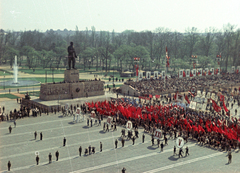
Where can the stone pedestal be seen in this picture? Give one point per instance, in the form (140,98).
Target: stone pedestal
(71,75)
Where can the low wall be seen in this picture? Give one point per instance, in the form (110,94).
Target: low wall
(129,90)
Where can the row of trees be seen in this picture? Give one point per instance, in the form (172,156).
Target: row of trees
(103,49)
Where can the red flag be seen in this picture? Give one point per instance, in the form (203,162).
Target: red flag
(184,74)
(215,106)
(167,65)
(224,106)
(191,75)
(137,67)
(186,98)
(191,93)
(209,73)
(150,95)
(157,96)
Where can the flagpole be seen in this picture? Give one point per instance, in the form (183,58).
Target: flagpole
(165,74)
(165,68)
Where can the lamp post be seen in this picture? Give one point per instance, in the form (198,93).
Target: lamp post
(52,74)
(4,82)
(113,76)
(136,62)
(89,62)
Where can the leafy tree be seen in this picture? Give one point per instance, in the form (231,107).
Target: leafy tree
(9,54)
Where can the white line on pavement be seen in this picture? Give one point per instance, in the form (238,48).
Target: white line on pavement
(17,134)
(32,124)
(184,163)
(70,160)
(74,134)
(30,152)
(123,161)
(100,166)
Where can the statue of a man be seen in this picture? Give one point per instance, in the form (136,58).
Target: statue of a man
(71,56)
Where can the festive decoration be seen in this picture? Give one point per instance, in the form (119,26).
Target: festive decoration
(168,57)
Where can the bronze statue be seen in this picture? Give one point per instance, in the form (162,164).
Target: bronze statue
(71,56)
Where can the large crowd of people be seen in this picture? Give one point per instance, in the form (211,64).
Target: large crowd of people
(206,128)
(156,86)
(216,129)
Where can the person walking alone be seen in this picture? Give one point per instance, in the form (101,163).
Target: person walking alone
(64,141)
(57,155)
(37,159)
(80,151)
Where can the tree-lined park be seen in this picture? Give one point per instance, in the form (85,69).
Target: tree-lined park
(104,50)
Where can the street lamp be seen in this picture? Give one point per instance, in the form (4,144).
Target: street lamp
(53,74)
(89,62)
(4,82)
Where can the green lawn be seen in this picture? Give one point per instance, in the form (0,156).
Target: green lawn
(4,74)
(41,71)
(10,96)
(110,85)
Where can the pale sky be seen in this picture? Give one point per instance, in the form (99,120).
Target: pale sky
(120,15)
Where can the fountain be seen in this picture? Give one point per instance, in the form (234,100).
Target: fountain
(15,71)
(15,81)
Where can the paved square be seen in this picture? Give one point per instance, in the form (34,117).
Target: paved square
(20,147)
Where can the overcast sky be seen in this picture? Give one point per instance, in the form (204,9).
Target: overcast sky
(120,15)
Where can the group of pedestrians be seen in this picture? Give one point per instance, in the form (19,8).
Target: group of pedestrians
(49,157)
(181,151)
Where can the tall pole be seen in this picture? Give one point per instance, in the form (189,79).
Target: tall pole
(136,61)
(45,76)
(165,68)
(4,82)
(165,74)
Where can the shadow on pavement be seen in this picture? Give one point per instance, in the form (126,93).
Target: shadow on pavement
(85,127)
(71,122)
(173,158)
(76,157)
(152,148)
(46,164)
(102,132)
(60,116)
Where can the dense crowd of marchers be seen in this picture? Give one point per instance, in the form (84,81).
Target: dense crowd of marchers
(207,128)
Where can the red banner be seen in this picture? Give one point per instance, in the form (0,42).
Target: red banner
(215,106)
(186,98)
